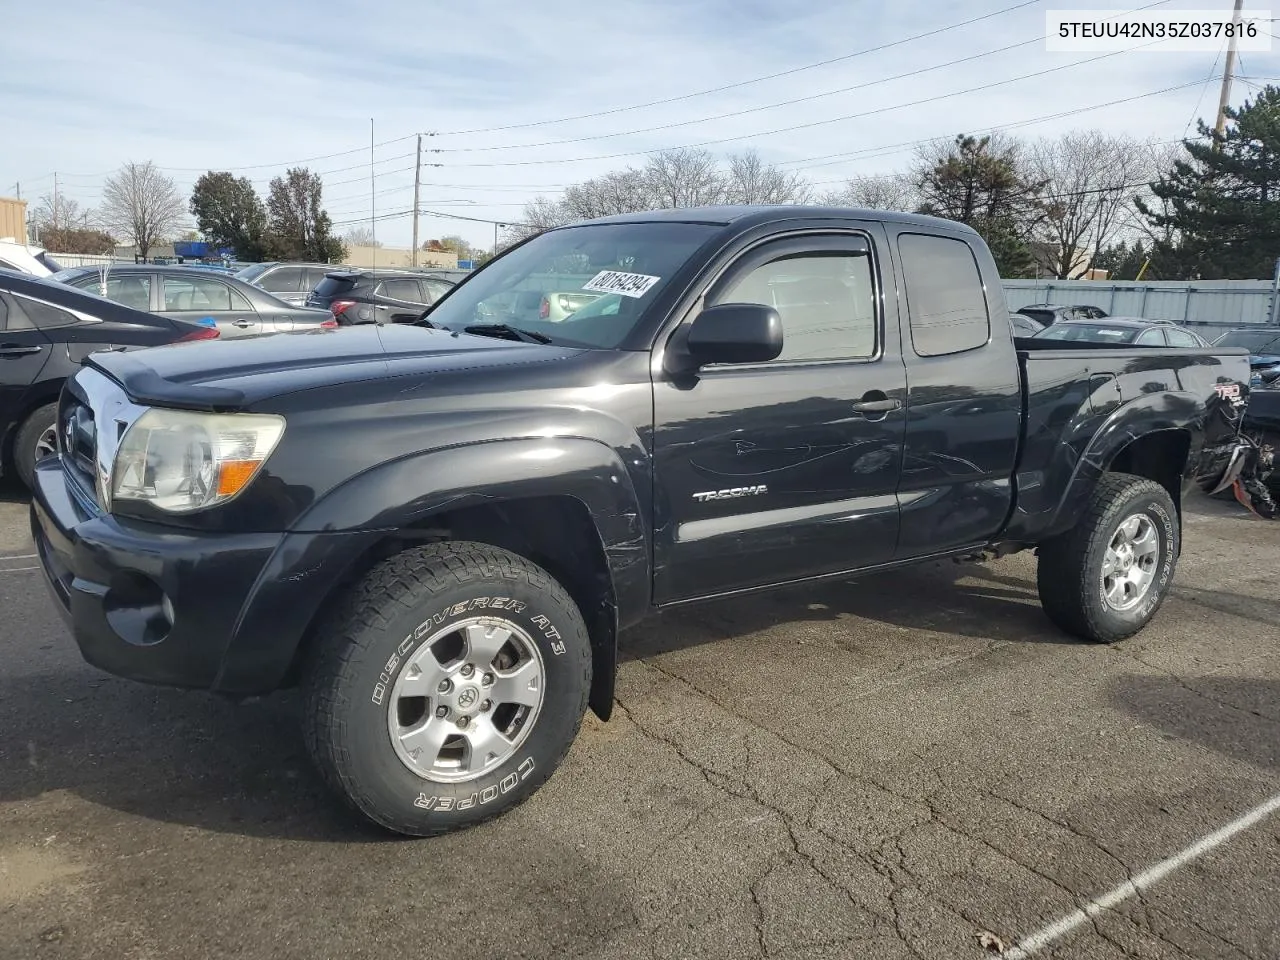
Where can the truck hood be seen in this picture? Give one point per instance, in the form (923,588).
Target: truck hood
(234,374)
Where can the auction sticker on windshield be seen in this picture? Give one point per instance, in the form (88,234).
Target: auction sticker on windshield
(623,284)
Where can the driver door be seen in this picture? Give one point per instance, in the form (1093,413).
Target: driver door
(784,470)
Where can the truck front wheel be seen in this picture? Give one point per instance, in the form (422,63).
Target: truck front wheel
(1105,578)
(449,689)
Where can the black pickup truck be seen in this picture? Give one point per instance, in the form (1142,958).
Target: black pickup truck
(439,529)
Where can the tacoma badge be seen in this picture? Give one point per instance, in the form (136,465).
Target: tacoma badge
(731,493)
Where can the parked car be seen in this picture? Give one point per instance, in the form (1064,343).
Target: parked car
(290,282)
(1135,331)
(438,529)
(355,295)
(1048,314)
(46,330)
(239,309)
(1264,351)
(1024,326)
(22,258)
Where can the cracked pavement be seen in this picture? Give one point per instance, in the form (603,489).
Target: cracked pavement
(891,768)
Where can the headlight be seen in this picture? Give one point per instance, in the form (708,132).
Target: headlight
(180,461)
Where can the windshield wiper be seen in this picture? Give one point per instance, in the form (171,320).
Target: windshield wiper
(511,333)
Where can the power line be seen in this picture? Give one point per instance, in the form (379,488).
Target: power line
(743,83)
(770,106)
(743,112)
(833,158)
(812,124)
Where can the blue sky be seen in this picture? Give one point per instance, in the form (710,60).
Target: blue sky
(253,87)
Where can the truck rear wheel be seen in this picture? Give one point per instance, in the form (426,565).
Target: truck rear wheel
(449,689)
(1105,578)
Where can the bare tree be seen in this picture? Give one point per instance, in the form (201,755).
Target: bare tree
(1090,179)
(886,191)
(750,180)
(142,205)
(361,237)
(1159,159)
(683,178)
(540,213)
(60,213)
(623,191)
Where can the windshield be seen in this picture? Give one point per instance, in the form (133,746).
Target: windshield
(580,286)
(1253,340)
(1095,332)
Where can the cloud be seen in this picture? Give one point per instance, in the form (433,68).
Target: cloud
(259,85)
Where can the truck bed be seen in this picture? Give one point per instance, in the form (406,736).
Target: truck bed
(1074,396)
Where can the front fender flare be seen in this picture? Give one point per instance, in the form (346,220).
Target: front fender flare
(407,492)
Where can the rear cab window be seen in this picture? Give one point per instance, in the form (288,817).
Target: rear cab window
(945,296)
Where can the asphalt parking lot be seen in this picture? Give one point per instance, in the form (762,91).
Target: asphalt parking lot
(911,766)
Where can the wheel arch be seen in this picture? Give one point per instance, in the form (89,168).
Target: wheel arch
(566,504)
(1152,437)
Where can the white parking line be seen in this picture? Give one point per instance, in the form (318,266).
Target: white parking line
(1152,875)
(20,556)
(17,569)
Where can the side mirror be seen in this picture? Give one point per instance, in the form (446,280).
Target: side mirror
(735,333)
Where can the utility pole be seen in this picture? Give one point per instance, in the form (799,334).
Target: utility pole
(1220,126)
(373,221)
(417,177)
(55,200)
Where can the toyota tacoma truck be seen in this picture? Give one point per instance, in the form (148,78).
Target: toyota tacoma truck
(437,530)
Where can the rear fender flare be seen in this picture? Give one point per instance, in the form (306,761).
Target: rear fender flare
(1142,417)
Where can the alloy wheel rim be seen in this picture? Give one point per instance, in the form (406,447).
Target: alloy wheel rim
(1130,562)
(47,443)
(466,699)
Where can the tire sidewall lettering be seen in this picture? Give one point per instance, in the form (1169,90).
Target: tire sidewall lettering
(432,802)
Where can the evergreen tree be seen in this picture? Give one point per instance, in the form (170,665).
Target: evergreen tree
(980,183)
(1222,200)
(298,227)
(229,213)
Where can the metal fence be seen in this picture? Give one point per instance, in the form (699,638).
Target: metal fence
(1210,306)
(86,259)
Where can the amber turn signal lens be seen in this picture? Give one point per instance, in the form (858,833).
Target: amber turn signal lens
(234,474)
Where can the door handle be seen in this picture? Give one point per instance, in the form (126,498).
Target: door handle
(242,324)
(877,406)
(10,351)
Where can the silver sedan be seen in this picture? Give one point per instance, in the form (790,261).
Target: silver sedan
(238,309)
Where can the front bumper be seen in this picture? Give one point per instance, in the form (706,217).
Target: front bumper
(224,612)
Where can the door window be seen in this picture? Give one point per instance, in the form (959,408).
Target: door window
(200,294)
(944,295)
(284,280)
(1151,338)
(42,316)
(406,291)
(1181,338)
(312,277)
(127,289)
(435,289)
(826,300)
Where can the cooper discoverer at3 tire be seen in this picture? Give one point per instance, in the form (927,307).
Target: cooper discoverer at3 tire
(449,689)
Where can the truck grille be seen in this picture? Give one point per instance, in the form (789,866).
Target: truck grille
(78,443)
(93,415)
